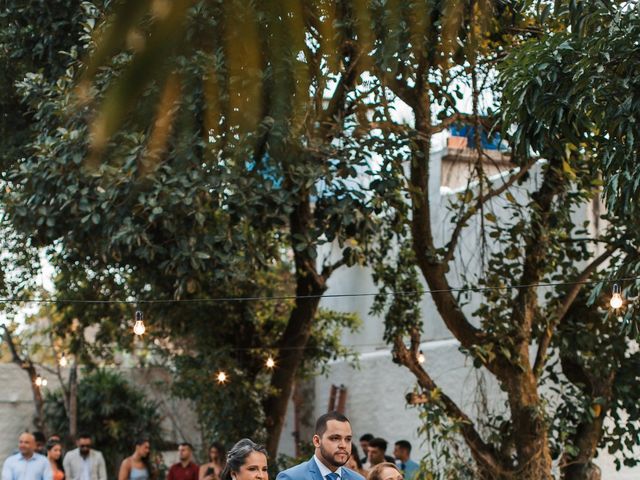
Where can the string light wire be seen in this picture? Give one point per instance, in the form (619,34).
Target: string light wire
(298,297)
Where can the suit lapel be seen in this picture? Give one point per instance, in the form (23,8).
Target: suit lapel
(313,470)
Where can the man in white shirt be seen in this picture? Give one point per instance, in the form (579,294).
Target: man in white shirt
(332,440)
(84,463)
(27,464)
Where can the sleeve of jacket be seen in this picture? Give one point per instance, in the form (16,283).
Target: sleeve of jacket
(102,468)
(68,467)
(283,476)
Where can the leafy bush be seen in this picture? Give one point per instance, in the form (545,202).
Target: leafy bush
(112,410)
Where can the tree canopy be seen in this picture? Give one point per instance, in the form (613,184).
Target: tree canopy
(232,149)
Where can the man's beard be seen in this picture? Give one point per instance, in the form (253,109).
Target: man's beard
(330,458)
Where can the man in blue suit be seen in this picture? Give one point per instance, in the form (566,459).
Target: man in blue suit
(332,440)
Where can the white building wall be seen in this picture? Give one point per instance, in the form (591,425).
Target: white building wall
(376,392)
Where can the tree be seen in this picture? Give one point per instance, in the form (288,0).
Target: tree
(209,198)
(113,411)
(540,243)
(252,176)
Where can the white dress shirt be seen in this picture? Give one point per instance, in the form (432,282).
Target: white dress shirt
(324,470)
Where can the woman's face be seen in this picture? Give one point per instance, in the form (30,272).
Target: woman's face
(254,468)
(143,449)
(214,455)
(390,473)
(55,452)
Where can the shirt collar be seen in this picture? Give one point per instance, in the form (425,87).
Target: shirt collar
(33,457)
(324,471)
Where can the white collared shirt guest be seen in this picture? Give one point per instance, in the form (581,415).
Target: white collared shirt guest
(84,462)
(26,464)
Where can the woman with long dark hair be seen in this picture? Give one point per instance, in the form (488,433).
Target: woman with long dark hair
(354,463)
(213,469)
(54,454)
(246,461)
(138,466)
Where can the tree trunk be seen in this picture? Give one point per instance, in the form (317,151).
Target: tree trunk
(587,436)
(73,401)
(530,432)
(291,352)
(27,365)
(309,288)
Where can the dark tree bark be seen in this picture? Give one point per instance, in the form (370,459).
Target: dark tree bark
(310,286)
(27,365)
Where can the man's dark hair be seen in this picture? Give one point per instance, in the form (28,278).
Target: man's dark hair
(380,443)
(39,437)
(367,437)
(321,423)
(404,444)
(186,444)
(84,435)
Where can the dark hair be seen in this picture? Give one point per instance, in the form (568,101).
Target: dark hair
(356,455)
(50,445)
(376,472)
(83,435)
(380,443)
(39,437)
(321,423)
(185,444)
(237,456)
(367,437)
(146,460)
(222,452)
(404,444)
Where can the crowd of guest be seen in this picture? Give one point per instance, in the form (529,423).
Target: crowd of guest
(336,457)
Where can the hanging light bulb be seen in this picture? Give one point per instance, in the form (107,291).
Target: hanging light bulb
(38,381)
(44,382)
(616,299)
(221,377)
(421,358)
(270,362)
(139,327)
(63,362)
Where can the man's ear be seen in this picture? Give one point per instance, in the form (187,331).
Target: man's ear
(316,441)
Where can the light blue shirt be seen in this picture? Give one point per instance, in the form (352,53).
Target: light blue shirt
(324,471)
(86,468)
(409,468)
(16,467)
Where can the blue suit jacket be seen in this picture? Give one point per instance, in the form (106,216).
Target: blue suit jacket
(309,471)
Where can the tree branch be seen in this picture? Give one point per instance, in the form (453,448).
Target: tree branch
(484,454)
(526,301)
(462,221)
(563,308)
(337,104)
(327,270)
(460,117)
(399,88)
(433,270)
(28,366)
(15,356)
